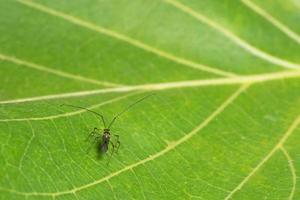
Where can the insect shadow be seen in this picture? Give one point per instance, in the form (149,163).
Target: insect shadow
(103,138)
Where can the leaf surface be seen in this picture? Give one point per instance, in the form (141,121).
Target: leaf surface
(223,123)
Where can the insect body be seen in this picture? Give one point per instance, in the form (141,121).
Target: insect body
(104,139)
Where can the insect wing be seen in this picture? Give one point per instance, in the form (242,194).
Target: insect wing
(104,146)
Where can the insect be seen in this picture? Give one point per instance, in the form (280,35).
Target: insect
(104,139)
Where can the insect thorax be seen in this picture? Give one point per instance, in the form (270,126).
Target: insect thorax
(106,136)
(106,131)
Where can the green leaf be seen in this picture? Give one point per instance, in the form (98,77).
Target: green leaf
(223,123)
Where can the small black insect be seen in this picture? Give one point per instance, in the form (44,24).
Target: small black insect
(104,139)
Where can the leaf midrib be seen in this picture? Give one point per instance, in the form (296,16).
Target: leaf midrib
(251,79)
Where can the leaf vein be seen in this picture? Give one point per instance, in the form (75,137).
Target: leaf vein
(42,68)
(250,79)
(293,171)
(68,114)
(124,38)
(169,148)
(236,39)
(279,144)
(27,147)
(286,30)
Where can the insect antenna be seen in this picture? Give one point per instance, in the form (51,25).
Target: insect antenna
(127,108)
(102,118)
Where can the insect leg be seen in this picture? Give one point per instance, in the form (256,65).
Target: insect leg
(92,134)
(118,143)
(95,140)
(112,152)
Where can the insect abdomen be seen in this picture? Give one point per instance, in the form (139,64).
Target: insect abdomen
(104,147)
